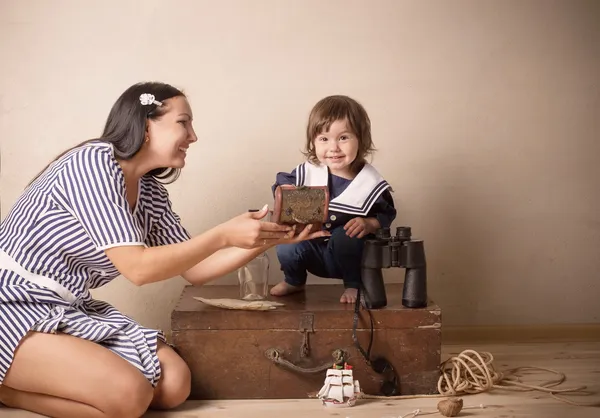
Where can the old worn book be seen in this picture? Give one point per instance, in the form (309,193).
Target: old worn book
(285,352)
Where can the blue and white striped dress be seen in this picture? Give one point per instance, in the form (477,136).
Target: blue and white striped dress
(51,255)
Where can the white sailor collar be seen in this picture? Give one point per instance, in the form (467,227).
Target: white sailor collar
(357,198)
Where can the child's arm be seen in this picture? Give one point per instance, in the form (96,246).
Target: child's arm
(284,178)
(383,210)
(381,215)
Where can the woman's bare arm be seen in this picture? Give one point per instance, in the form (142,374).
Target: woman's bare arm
(230,259)
(221,263)
(143,265)
(148,265)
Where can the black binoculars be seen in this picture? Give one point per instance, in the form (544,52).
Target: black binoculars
(385,251)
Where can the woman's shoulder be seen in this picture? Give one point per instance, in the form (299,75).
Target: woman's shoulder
(153,191)
(96,150)
(77,162)
(152,185)
(92,155)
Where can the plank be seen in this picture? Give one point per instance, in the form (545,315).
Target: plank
(579,361)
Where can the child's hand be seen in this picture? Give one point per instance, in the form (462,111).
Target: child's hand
(358,226)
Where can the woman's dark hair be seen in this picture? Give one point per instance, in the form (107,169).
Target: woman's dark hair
(125,126)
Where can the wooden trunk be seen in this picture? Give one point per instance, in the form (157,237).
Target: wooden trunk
(228,350)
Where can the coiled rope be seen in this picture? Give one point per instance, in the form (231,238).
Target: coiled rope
(472,372)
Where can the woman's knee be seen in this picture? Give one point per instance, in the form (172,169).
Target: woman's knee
(175,383)
(91,374)
(130,395)
(173,390)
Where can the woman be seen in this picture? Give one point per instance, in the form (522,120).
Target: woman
(97,212)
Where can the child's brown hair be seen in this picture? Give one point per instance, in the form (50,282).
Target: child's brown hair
(339,107)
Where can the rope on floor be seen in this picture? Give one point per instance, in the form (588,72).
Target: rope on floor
(472,372)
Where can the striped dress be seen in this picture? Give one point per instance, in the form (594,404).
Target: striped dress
(51,255)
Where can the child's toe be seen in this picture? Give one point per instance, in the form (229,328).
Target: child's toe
(283,288)
(349,296)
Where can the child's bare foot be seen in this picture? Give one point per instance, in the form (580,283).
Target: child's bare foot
(349,296)
(283,288)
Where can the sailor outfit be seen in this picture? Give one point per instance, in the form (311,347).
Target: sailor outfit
(52,246)
(338,256)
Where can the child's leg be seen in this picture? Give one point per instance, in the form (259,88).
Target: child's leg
(296,261)
(346,254)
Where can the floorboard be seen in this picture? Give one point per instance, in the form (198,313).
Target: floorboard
(579,361)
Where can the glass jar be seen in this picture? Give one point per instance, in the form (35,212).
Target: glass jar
(254,278)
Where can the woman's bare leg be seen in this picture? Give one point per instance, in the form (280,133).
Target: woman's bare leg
(91,380)
(46,404)
(175,383)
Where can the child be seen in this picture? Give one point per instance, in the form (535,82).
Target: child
(337,144)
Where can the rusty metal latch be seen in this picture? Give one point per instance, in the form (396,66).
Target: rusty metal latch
(276,356)
(306,327)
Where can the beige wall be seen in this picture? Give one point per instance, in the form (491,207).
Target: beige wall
(485,114)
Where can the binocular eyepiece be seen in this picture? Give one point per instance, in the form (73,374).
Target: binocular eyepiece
(400,250)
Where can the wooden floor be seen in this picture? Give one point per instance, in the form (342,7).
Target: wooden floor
(579,361)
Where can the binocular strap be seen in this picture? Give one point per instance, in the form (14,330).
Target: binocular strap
(379,365)
(367,354)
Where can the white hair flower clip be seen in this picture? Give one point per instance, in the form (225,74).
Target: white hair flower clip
(148,99)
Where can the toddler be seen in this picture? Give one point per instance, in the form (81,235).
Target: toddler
(338,140)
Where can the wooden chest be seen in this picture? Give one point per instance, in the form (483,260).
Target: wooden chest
(283,353)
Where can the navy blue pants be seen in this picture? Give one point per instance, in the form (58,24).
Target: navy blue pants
(337,257)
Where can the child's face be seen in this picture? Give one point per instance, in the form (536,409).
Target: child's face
(337,148)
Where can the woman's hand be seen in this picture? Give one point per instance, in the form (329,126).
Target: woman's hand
(305,234)
(247,230)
